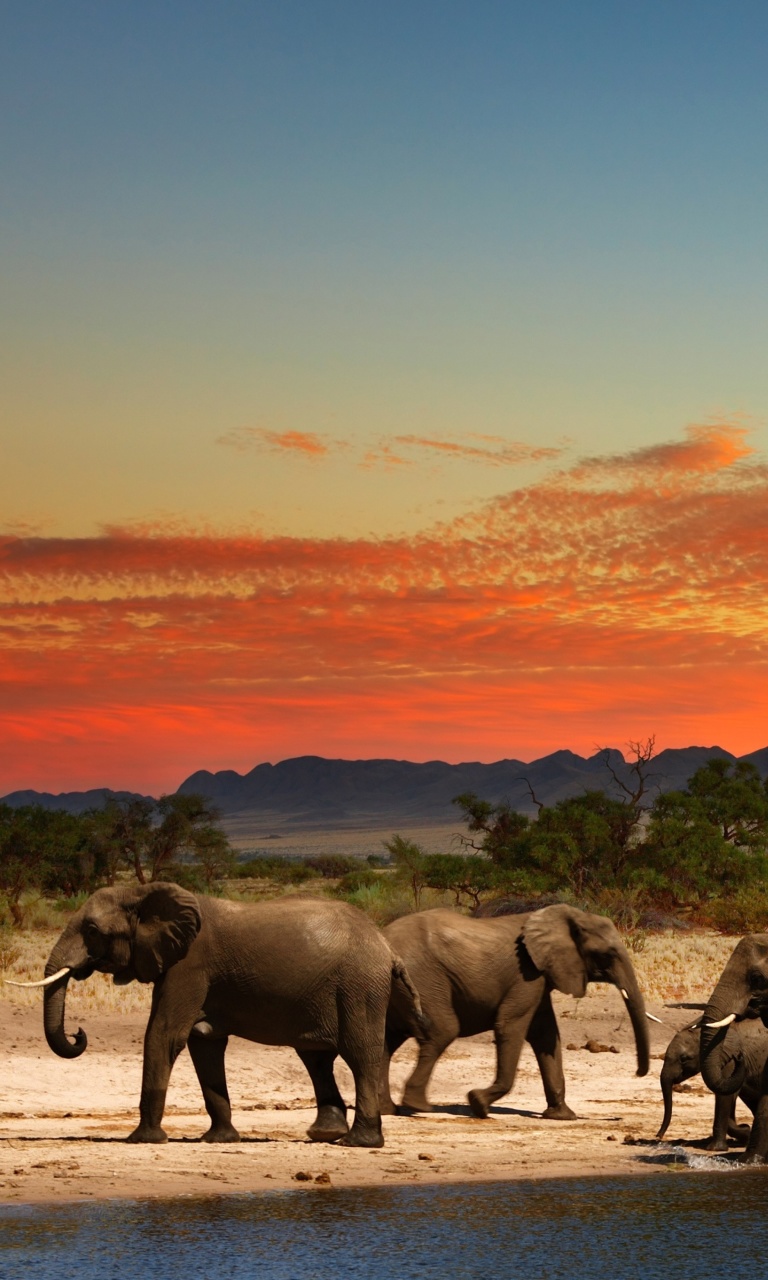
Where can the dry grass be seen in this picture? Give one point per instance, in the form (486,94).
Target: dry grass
(25,954)
(682,966)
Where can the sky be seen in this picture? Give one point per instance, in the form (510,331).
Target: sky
(379,380)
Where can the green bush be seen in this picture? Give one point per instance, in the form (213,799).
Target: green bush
(280,870)
(331,866)
(360,878)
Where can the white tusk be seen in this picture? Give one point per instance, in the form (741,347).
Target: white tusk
(724,1022)
(653,1018)
(623,992)
(44,982)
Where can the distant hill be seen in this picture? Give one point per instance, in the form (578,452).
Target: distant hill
(69,801)
(313,793)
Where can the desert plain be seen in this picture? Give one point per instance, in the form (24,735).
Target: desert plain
(63,1123)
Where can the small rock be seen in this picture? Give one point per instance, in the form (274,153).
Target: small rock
(301,1176)
(594,1046)
(324,1178)
(424,1156)
(611,1137)
(630,1140)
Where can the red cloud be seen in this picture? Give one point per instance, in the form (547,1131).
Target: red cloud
(600,604)
(307,443)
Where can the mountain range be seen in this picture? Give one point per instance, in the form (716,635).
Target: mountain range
(311,793)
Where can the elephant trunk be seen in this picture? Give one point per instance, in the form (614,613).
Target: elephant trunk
(667,1081)
(624,978)
(722,1061)
(63,957)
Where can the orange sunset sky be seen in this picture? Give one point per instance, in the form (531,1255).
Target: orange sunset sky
(373,390)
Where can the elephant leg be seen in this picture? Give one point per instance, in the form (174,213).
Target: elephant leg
(725,1105)
(444,1030)
(757,1147)
(509,1043)
(161,1049)
(392,1042)
(176,1006)
(330,1122)
(739,1132)
(544,1038)
(208,1059)
(361,1050)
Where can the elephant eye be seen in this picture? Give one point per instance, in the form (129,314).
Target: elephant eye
(758,980)
(91,934)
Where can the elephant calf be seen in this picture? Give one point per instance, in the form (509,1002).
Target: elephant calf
(312,974)
(682,1060)
(496,974)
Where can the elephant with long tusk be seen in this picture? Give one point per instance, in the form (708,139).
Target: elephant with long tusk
(312,974)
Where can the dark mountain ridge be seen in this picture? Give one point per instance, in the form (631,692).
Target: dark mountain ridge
(312,792)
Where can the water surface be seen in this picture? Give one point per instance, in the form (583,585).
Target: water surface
(663,1225)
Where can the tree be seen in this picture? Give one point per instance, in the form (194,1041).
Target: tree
(187,829)
(499,827)
(39,848)
(409,865)
(464,877)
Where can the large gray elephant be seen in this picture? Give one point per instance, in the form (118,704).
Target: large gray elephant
(309,973)
(682,1061)
(496,975)
(728,1054)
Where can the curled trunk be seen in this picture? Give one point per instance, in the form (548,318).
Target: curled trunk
(62,957)
(722,1061)
(666,1093)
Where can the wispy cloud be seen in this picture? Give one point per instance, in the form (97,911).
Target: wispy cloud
(307,444)
(488,450)
(626,590)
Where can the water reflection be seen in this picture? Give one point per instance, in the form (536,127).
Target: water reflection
(654,1226)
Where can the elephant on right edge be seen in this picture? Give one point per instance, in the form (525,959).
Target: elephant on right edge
(682,1060)
(727,1053)
(496,974)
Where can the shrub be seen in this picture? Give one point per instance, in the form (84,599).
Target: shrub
(331,866)
(745,912)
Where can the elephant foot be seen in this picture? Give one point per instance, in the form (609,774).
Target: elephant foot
(715,1144)
(329,1125)
(388,1108)
(478,1104)
(147,1133)
(363,1135)
(561,1112)
(751,1157)
(412,1102)
(221,1133)
(740,1133)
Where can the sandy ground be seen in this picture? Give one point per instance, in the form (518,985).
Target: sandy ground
(62,1123)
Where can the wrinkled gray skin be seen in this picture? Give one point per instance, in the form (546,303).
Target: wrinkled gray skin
(312,974)
(496,975)
(728,1056)
(682,1061)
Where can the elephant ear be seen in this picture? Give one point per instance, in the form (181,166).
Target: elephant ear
(168,921)
(549,939)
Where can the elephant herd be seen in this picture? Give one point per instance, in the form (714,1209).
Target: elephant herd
(320,977)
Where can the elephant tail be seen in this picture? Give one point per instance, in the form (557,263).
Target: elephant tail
(403,988)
